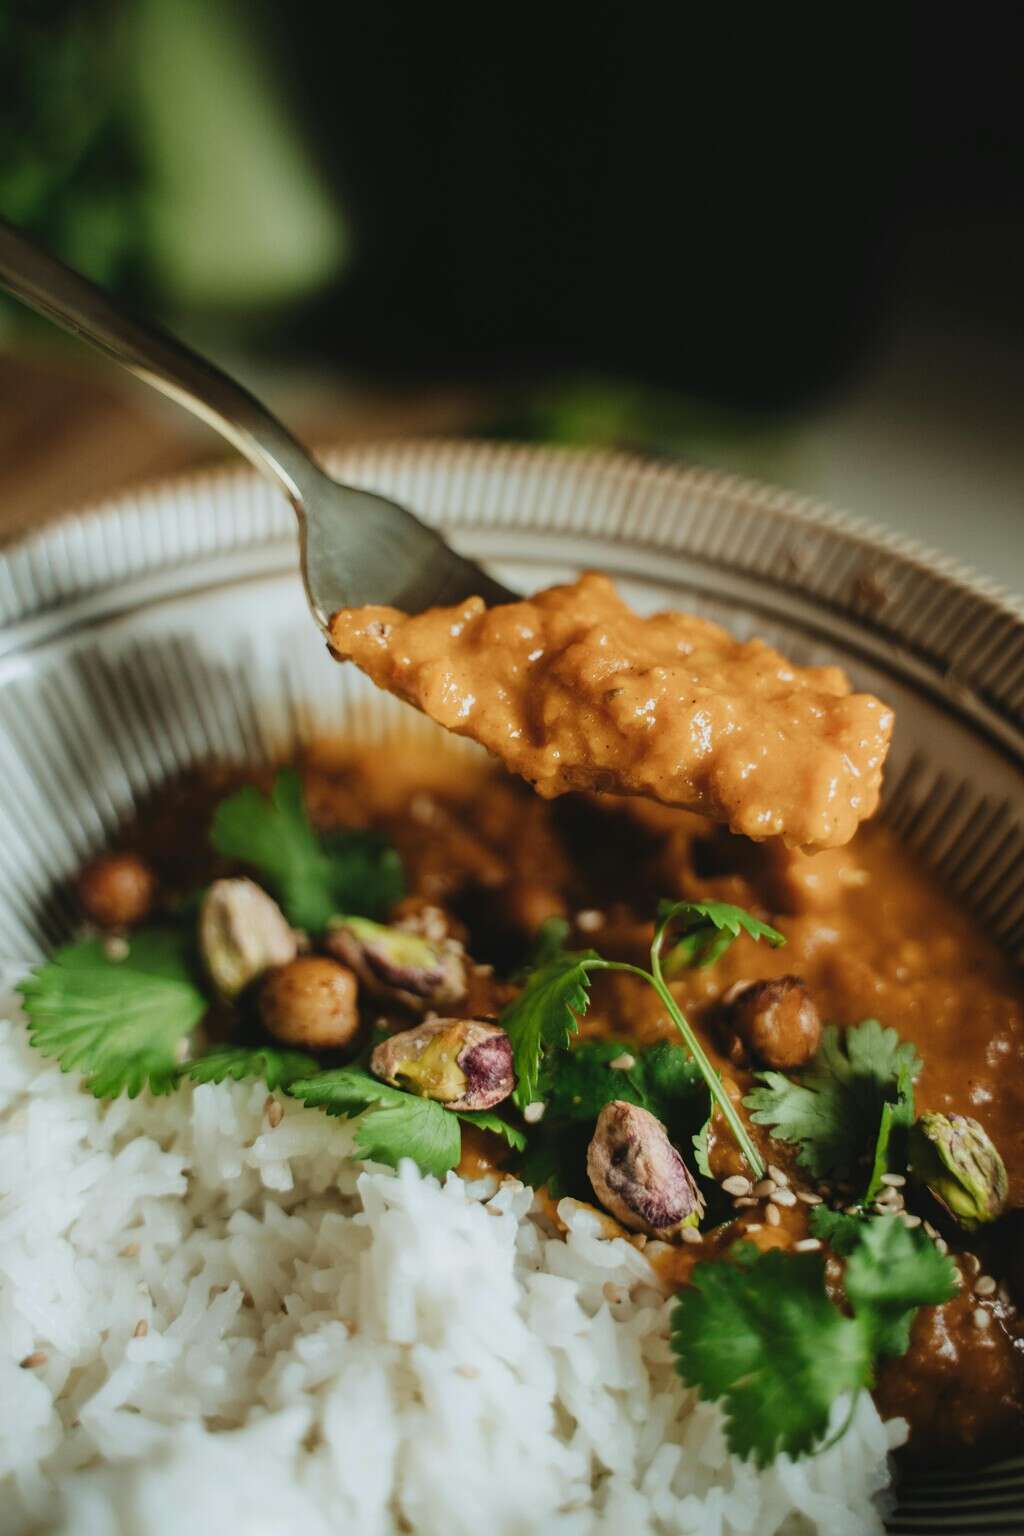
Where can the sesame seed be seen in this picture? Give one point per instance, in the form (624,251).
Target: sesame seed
(971,1260)
(141,1329)
(752,1226)
(771,1215)
(623,1063)
(778,1175)
(116,948)
(736,1185)
(37,1357)
(942,1245)
(534,1112)
(691,1235)
(894,1180)
(852,1210)
(743,1202)
(785,1197)
(981,1319)
(985,1286)
(589,920)
(807,1245)
(910,1221)
(808,1197)
(933,1233)
(275,1113)
(765,1189)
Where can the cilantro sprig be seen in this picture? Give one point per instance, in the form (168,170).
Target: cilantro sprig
(759,1334)
(399,1124)
(853,1102)
(313,877)
(546,1014)
(278,1068)
(121,1023)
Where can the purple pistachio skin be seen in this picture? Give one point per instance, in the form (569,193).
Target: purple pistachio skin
(638,1176)
(399,965)
(470,1067)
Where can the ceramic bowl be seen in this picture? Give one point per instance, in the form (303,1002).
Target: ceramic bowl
(170,627)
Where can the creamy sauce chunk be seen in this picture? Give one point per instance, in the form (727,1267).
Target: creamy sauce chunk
(573,690)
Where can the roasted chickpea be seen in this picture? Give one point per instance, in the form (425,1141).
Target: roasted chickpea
(311,1002)
(777,1022)
(116,890)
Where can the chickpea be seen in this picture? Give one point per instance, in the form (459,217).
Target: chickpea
(777,1022)
(116,890)
(311,1002)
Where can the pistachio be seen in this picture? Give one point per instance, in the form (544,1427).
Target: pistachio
(638,1175)
(462,1063)
(953,1157)
(242,933)
(398,965)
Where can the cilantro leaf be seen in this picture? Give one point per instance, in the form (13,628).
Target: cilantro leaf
(833,1111)
(487,1120)
(706,930)
(546,1013)
(761,1336)
(119,1022)
(399,1124)
(889,1274)
(838,1229)
(276,1067)
(576,1083)
(313,878)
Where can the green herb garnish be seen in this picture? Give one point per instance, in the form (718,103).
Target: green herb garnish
(121,1023)
(835,1112)
(313,877)
(759,1334)
(278,1068)
(547,1012)
(399,1124)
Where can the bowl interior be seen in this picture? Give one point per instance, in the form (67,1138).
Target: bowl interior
(172,629)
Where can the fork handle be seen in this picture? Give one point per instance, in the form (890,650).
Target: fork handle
(79,306)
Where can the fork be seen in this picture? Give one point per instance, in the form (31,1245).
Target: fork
(355,546)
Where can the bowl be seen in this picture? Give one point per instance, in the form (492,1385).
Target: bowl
(169,627)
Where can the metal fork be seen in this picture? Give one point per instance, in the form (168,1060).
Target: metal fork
(356,547)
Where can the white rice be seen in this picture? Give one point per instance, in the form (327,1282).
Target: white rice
(330,1347)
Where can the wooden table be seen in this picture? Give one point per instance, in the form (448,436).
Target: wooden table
(74,431)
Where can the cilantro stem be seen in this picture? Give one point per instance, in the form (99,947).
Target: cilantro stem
(654,978)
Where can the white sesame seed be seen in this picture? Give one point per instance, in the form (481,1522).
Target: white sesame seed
(623,1063)
(765,1189)
(752,1226)
(691,1235)
(785,1197)
(808,1197)
(141,1329)
(931,1230)
(116,948)
(778,1175)
(894,1180)
(736,1185)
(534,1112)
(909,1221)
(852,1210)
(743,1202)
(942,1245)
(981,1319)
(985,1286)
(771,1215)
(589,920)
(807,1245)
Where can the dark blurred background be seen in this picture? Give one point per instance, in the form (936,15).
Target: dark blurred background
(788,242)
